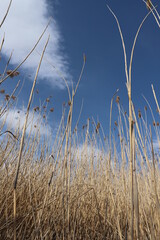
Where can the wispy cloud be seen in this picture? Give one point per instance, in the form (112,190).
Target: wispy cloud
(156,144)
(15,118)
(24,24)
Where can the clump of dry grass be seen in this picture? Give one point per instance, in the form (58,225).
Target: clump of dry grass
(87,187)
(99,197)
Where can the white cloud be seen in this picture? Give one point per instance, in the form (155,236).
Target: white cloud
(156,144)
(89,153)
(23,26)
(15,118)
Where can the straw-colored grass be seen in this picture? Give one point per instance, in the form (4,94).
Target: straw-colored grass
(98,201)
(85,185)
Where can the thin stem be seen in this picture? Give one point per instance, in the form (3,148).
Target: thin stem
(23,135)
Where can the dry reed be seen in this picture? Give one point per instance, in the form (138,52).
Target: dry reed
(85,186)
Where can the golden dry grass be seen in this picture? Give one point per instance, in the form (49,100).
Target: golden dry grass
(98,202)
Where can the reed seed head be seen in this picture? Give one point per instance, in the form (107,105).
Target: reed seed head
(2,91)
(97,127)
(139,114)
(148,4)
(117,99)
(7,97)
(116,124)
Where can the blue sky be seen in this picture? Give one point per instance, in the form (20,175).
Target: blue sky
(82,27)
